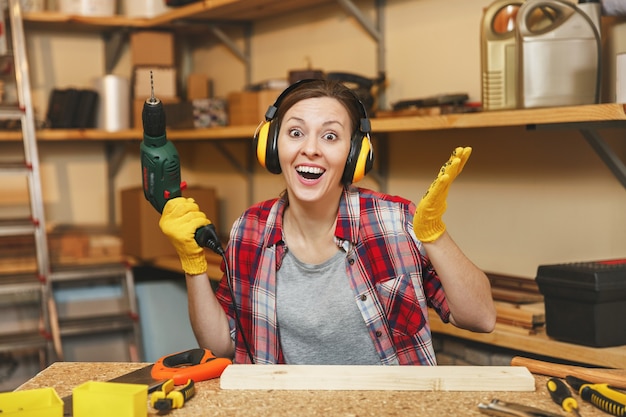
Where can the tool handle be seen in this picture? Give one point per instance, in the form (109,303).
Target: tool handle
(605,398)
(561,394)
(188,390)
(615,378)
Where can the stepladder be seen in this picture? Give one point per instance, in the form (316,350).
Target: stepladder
(25,297)
(114,314)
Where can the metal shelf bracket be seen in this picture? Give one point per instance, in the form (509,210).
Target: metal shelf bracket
(605,153)
(599,145)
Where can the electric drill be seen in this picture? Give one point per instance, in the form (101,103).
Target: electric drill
(160,167)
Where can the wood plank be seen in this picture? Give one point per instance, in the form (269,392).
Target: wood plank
(513,314)
(537,344)
(377,378)
(609,112)
(515,296)
(505,118)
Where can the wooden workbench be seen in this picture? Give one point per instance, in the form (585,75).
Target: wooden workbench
(211,400)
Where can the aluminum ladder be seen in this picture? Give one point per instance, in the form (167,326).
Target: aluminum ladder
(23,289)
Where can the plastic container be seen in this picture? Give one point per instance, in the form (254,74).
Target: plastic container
(88,7)
(559,53)
(105,399)
(498,45)
(585,301)
(144,8)
(39,402)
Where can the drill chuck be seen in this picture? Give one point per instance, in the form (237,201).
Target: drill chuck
(153,119)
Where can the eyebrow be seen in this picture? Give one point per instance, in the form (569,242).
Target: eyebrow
(326,123)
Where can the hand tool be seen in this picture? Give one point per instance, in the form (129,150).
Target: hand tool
(196,364)
(561,395)
(160,167)
(614,377)
(505,409)
(169,398)
(600,395)
(138,376)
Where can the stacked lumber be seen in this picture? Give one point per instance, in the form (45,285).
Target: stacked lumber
(519,304)
(67,245)
(17,255)
(84,245)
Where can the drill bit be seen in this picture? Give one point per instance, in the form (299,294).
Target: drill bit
(152,100)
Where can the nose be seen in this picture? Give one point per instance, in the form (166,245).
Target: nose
(310,146)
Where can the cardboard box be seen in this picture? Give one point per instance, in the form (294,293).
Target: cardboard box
(585,301)
(249,107)
(152,48)
(140,232)
(197,86)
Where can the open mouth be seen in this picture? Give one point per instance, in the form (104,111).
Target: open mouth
(310,173)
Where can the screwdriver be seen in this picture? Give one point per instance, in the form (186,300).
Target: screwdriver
(600,395)
(561,395)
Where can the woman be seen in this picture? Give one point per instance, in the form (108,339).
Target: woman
(329,273)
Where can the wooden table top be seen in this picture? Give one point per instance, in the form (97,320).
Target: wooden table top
(210,399)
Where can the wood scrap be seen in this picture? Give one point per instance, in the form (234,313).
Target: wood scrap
(614,377)
(517,315)
(377,378)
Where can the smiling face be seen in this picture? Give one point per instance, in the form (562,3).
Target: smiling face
(313,145)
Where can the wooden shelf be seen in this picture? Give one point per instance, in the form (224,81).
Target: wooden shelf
(597,113)
(539,344)
(207,10)
(593,113)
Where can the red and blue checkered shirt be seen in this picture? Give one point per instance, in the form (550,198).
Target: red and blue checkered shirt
(392,278)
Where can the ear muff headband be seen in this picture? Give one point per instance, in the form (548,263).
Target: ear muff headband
(364,161)
(360,158)
(261,145)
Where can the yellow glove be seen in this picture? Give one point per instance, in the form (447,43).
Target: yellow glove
(180,219)
(427,223)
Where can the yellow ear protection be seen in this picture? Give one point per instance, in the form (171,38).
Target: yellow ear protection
(360,158)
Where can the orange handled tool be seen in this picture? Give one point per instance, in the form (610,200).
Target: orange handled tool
(195,364)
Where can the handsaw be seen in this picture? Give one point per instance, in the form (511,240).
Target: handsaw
(139,376)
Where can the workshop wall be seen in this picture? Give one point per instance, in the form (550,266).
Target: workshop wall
(524,199)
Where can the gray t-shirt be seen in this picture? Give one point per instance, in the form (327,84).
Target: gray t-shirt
(319,321)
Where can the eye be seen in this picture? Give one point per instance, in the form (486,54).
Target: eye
(295,133)
(330,136)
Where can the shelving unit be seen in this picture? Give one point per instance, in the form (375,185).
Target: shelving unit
(609,115)
(585,119)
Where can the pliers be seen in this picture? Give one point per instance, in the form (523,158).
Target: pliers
(169,398)
(502,408)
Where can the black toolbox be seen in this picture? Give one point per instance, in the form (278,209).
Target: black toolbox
(585,301)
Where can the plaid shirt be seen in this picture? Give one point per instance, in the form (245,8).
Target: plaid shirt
(392,278)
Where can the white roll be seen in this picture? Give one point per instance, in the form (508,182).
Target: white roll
(114,103)
(620,78)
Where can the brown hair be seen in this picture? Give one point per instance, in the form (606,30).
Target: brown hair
(323,88)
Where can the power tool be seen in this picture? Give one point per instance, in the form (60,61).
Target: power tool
(160,167)
(160,173)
